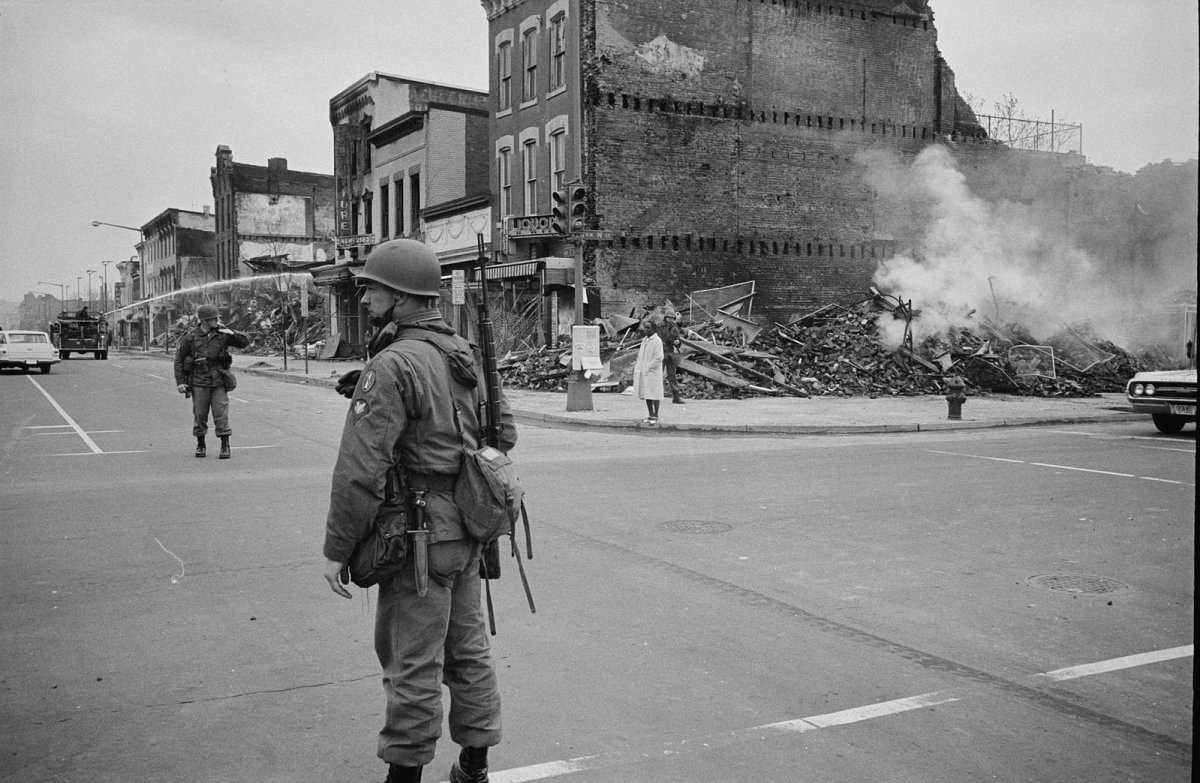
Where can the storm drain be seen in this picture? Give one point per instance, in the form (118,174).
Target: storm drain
(695,526)
(1077,584)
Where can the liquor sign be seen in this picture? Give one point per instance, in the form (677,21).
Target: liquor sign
(530,226)
(356,240)
(458,286)
(343,214)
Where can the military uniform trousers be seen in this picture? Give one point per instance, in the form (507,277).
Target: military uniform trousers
(670,369)
(423,642)
(216,399)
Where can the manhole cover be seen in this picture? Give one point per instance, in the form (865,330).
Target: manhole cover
(1077,584)
(695,526)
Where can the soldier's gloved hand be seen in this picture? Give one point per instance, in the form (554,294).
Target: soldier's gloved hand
(182,388)
(347,383)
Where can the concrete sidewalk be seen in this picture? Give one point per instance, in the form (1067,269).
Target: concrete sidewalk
(752,416)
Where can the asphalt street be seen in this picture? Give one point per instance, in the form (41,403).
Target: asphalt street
(1009,604)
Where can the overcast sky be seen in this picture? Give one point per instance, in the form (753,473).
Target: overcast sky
(112,110)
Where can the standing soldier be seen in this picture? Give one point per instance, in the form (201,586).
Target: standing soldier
(202,363)
(410,409)
(671,340)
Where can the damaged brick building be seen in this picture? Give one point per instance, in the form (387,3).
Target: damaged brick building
(717,140)
(269,218)
(721,142)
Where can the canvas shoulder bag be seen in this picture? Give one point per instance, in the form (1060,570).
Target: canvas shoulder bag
(488,491)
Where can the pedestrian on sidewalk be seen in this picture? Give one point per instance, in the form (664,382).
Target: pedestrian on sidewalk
(202,363)
(409,410)
(648,371)
(668,332)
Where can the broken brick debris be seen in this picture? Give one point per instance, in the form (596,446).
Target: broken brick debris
(836,351)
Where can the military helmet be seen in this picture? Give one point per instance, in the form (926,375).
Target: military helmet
(403,265)
(206,311)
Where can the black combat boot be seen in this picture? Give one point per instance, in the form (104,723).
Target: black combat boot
(471,766)
(200,448)
(224,447)
(399,774)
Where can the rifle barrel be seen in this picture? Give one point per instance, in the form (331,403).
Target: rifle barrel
(491,426)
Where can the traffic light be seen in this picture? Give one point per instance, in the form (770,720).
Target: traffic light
(559,222)
(577,200)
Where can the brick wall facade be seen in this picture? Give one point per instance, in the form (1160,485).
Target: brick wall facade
(722,141)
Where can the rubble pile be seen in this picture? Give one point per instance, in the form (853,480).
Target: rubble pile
(836,352)
(270,323)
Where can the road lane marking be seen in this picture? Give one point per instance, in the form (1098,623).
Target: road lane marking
(1062,467)
(46,427)
(859,714)
(91,444)
(158,377)
(554,769)
(99,453)
(1100,436)
(1115,664)
(1082,470)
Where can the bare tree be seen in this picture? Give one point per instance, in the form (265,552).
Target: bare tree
(1009,125)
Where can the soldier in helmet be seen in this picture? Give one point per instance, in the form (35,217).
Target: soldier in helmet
(411,407)
(202,363)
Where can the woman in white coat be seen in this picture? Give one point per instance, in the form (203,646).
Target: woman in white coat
(648,371)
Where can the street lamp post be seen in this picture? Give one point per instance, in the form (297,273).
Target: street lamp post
(90,272)
(78,298)
(114,225)
(104,293)
(141,278)
(62,292)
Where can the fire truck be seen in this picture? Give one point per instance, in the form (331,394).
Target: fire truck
(80,333)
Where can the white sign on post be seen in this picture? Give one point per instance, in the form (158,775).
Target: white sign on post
(458,286)
(585,348)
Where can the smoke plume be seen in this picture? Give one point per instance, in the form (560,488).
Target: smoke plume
(969,259)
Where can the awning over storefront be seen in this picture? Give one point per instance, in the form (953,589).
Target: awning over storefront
(510,270)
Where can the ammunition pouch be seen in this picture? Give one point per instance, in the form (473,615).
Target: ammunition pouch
(382,553)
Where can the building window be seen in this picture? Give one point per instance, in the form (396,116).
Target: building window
(529,161)
(367,211)
(558,51)
(558,159)
(399,207)
(504,76)
(529,43)
(414,189)
(504,180)
(383,211)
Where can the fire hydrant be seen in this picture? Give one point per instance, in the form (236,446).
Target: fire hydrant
(956,389)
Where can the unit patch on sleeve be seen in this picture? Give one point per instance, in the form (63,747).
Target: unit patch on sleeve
(359,409)
(368,380)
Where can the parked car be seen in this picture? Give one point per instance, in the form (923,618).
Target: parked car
(27,350)
(1169,396)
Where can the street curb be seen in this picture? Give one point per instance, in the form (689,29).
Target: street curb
(556,421)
